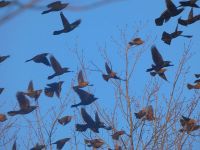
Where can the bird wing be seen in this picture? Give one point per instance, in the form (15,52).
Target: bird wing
(170,5)
(108,70)
(80,76)
(97,119)
(22,100)
(55,64)
(156,56)
(65,22)
(83,95)
(86,117)
(30,86)
(53,4)
(190,16)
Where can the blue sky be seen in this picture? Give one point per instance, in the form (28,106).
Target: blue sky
(30,33)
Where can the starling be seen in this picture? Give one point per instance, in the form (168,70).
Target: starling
(190,3)
(67,26)
(55,6)
(1,90)
(3,118)
(52,88)
(31,92)
(65,120)
(4,3)
(14,147)
(136,41)
(60,143)
(95,143)
(24,105)
(40,58)
(191,19)
(38,147)
(196,86)
(81,82)
(117,134)
(146,113)
(85,97)
(2,58)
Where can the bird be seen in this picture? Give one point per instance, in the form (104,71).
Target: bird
(55,6)
(196,86)
(67,26)
(188,124)
(190,3)
(2,58)
(65,120)
(4,3)
(14,146)
(110,74)
(81,82)
(40,58)
(31,92)
(136,41)
(38,147)
(24,105)
(167,37)
(52,88)
(1,90)
(190,20)
(197,75)
(117,134)
(146,113)
(95,143)
(3,118)
(160,72)
(58,70)
(60,143)
(171,11)
(101,124)
(85,97)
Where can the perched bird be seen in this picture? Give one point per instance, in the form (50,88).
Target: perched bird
(24,105)
(67,26)
(57,68)
(2,58)
(136,41)
(31,92)
(40,58)
(65,120)
(188,124)
(52,88)
(146,113)
(171,11)
(38,147)
(167,37)
(1,90)
(55,6)
(81,82)
(14,147)
(196,86)
(4,3)
(95,143)
(85,97)
(190,3)
(191,19)
(60,143)
(3,118)
(117,134)
(110,74)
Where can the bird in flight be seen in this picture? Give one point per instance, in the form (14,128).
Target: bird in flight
(1,90)
(117,134)
(136,41)
(4,3)
(95,143)
(65,120)
(189,3)
(81,82)
(61,143)
(55,6)
(2,58)
(3,118)
(52,88)
(40,58)
(146,113)
(38,147)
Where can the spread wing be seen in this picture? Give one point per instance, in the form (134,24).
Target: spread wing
(80,76)
(190,16)
(170,5)
(156,56)
(53,4)
(97,119)
(30,86)
(22,100)
(55,64)
(108,70)
(83,95)
(65,22)
(86,117)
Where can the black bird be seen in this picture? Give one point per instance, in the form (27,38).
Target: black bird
(167,37)
(60,143)
(85,97)
(40,58)
(1,90)
(24,105)
(65,120)
(95,143)
(38,147)
(171,11)
(197,75)
(101,124)
(57,68)
(67,26)
(191,19)
(52,88)
(2,58)
(81,82)
(55,6)
(4,3)
(190,3)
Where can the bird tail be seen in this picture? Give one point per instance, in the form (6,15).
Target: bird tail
(190,86)
(28,60)
(75,105)
(153,73)
(46,11)
(150,69)
(106,77)
(12,113)
(57,32)
(187,36)
(81,127)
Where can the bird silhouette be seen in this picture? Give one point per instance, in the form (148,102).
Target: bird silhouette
(40,58)
(2,58)
(67,26)
(38,147)
(81,82)
(85,97)
(146,113)
(95,143)
(57,68)
(4,3)
(117,134)
(24,105)
(1,90)
(191,19)
(190,3)
(61,143)
(55,6)
(65,120)
(136,41)
(3,118)
(52,88)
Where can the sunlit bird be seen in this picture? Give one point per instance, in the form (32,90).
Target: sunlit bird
(67,26)
(65,120)
(190,3)
(52,88)
(95,143)
(118,134)
(4,3)
(3,58)
(40,58)
(136,41)
(61,143)
(146,113)
(3,118)
(81,82)
(38,147)
(55,6)
(195,86)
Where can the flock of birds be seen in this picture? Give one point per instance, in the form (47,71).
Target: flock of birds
(86,98)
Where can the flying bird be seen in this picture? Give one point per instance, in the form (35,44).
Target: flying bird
(67,26)
(95,143)
(1,90)
(117,134)
(58,70)
(55,6)
(38,147)
(195,86)
(24,105)
(61,143)
(4,3)
(146,113)
(52,88)
(81,82)
(40,58)
(3,118)
(189,3)
(65,120)
(2,58)
(136,41)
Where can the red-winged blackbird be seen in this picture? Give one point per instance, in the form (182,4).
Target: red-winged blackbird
(57,68)
(40,58)
(52,88)
(190,3)
(145,114)
(1,90)
(38,147)
(81,82)
(3,118)
(188,124)
(14,147)
(85,97)
(95,143)
(65,120)
(117,134)
(171,11)
(4,3)
(2,58)
(136,41)
(24,105)
(190,20)
(60,143)
(67,26)
(55,6)
(31,92)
